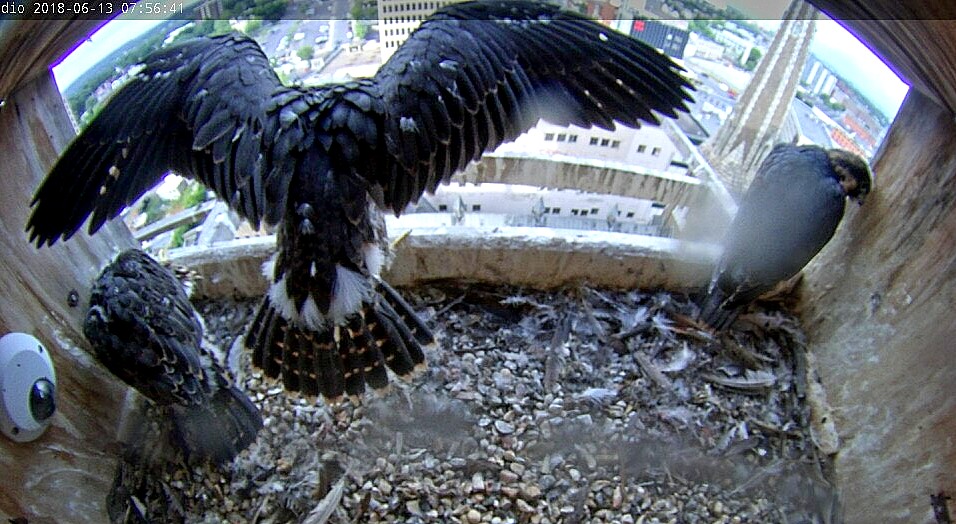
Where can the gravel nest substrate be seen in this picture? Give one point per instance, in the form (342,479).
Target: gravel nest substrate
(580,405)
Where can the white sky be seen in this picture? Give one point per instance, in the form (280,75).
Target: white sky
(854,61)
(101,43)
(832,43)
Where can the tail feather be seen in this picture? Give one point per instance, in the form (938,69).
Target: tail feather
(305,364)
(402,350)
(268,328)
(354,365)
(293,344)
(360,340)
(716,312)
(219,430)
(407,315)
(385,333)
(329,372)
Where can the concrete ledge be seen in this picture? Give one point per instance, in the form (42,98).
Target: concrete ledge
(544,258)
(540,258)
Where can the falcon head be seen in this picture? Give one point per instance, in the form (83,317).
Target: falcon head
(853,173)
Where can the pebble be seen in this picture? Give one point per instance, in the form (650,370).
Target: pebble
(530,493)
(473,516)
(504,427)
(477,483)
(508,476)
(717,508)
(481,438)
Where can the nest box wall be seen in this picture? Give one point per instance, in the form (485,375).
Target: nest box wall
(65,474)
(880,297)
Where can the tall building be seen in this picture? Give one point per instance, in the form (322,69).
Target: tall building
(398,18)
(649,146)
(753,127)
(671,40)
(818,78)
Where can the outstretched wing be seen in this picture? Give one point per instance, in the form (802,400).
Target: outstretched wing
(196,108)
(477,74)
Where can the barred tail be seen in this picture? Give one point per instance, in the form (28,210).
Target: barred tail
(219,430)
(385,333)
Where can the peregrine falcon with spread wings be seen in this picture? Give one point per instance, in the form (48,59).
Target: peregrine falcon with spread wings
(318,162)
(789,212)
(145,331)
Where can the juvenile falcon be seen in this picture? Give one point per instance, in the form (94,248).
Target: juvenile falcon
(145,331)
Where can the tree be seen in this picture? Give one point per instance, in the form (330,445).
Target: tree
(753,59)
(253,27)
(360,28)
(271,10)
(305,52)
(361,14)
(705,28)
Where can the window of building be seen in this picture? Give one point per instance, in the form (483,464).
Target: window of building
(476,207)
(641,148)
(572,139)
(594,140)
(555,210)
(605,142)
(657,205)
(547,210)
(574,212)
(443,207)
(615,144)
(562,137)
(656,151)
(630,214)
(594,210)
(548,137)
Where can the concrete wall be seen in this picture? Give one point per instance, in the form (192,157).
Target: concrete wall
(539,258)
(591,176)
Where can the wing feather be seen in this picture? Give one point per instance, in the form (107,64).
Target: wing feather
(195,108)
(495,68)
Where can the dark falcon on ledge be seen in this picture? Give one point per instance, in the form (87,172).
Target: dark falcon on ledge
(790,211)
(313,160)
(145,331)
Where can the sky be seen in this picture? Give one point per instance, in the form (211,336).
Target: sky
(852,60)
(832,43)
(107,39)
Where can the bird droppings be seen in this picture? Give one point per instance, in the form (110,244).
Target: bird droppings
(537,407)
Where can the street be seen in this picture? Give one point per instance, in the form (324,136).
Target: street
(324,25)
